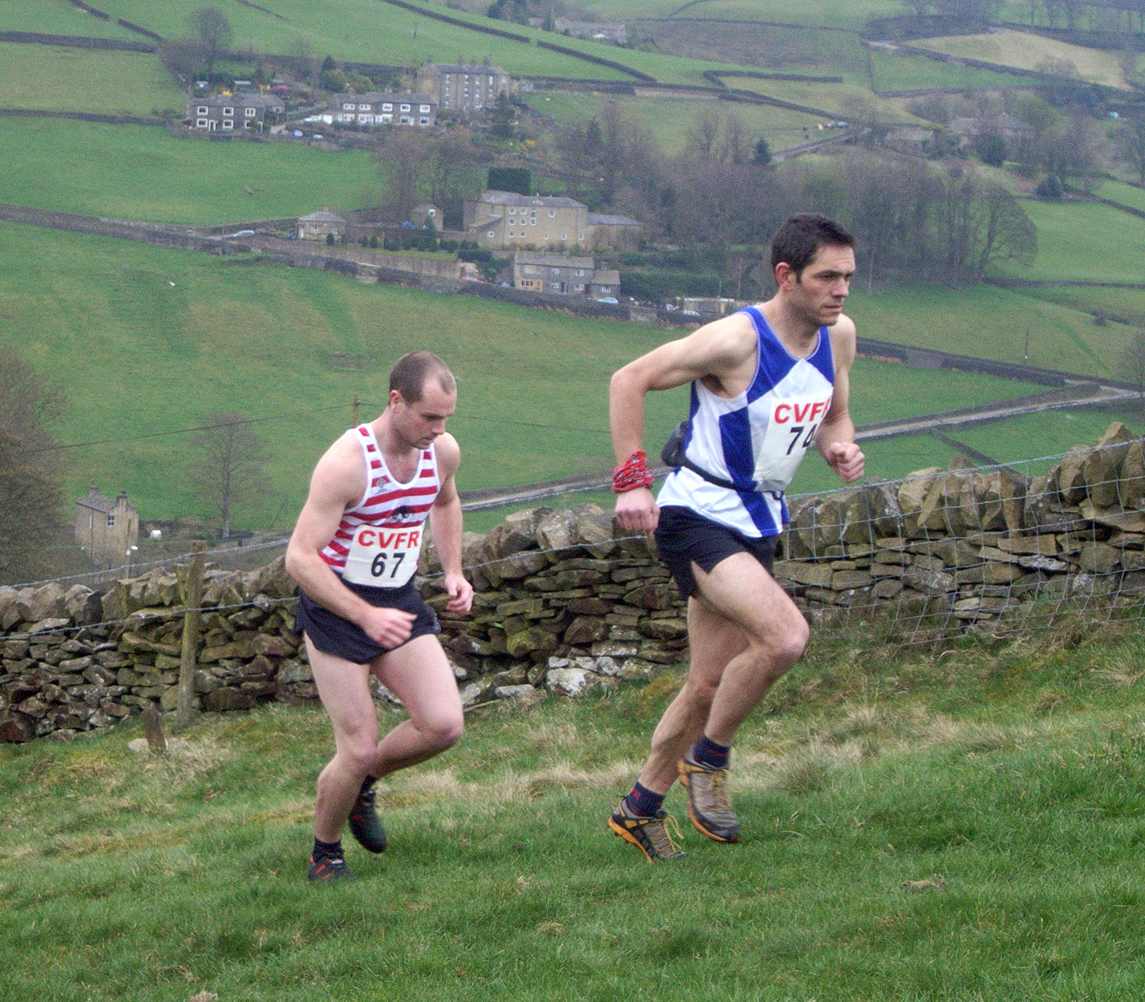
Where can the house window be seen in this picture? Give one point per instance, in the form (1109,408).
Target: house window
(556,271)
(228,124)
(564,236)
(201,110)
(250,112)
(363,107)
(110,521)
(431,213)
(405,107)
(387,107)
(552,213)
(490,234)
(424,109)
(555,286)
(423,120)
(201,124)
(387,119)
(228,111)
(347,105)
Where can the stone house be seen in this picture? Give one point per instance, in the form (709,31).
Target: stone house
(505,219)
(232,113)
(500,219)
(106,530)
(558,274)
(383,108)
(467,90)
(319,225)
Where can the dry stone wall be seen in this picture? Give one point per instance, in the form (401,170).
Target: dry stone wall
(563,603)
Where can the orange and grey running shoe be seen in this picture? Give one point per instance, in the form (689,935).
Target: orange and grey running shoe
(709,806)
(649,834)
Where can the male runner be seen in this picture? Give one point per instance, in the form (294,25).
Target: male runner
(767,383)
(354,552)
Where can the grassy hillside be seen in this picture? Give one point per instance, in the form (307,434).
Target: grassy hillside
(1006,783)
(179,179)
(48,78)
(149,341)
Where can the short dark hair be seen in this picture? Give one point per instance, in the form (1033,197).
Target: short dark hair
(414,369)
(799,239)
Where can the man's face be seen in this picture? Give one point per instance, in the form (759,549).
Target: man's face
(819,292)
(419,423)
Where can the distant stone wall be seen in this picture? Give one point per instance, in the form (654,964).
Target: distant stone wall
(563,603)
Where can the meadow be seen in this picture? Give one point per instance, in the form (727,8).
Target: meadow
(51,78)
(919,826)
(149,341)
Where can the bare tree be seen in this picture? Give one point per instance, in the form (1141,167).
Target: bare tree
(229,470)
(1129,142)
(211,29)
(31,485)
(1133,366)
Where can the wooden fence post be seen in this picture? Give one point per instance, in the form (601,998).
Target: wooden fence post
(192,599)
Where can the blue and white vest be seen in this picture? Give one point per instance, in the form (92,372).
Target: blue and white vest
(757,439)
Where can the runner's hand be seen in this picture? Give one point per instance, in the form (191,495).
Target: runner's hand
(389,627)
(637,511)
(460,594)
(846,459)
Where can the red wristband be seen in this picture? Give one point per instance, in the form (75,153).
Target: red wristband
(632,473)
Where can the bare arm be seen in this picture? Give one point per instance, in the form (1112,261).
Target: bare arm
(338,482)
(445,522)
(717,350)
(836,437)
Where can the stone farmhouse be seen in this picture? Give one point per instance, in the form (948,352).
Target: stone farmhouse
(106,530)
(505,219)
(563,275)
(382,108)
(466,90)
(231,113)
(319,225)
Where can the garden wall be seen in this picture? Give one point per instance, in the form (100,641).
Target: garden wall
(564,603)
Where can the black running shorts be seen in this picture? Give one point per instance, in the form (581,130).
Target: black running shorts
(684,538)
(332,634)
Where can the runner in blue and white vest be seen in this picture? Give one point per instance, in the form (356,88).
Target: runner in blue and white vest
(354,552)
(768,383)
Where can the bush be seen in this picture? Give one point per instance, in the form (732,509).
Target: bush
(1051,187)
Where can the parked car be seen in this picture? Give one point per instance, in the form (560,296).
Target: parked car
(607,299)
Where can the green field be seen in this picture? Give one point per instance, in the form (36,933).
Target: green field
(1074,243)
(1006,782)
(897,71)
(145,360)
(50,78)
(989,322)
(161,177)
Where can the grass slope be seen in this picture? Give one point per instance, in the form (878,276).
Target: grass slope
(55,78)
(1006,783)
(143,360)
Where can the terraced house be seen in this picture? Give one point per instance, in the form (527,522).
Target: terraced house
(381,108)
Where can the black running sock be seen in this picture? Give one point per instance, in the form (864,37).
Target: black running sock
(327,850)
(644,802)
(708,753)
(367,784)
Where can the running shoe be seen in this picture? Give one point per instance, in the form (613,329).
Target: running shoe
(324,868)
(649,834)
(365,825)
(709,806)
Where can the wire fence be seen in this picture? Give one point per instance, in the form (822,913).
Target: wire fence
(995,550)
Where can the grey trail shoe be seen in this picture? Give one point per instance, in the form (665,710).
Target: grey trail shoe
(649,834)
(709,806)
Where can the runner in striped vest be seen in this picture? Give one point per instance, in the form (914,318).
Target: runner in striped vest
(354,553)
